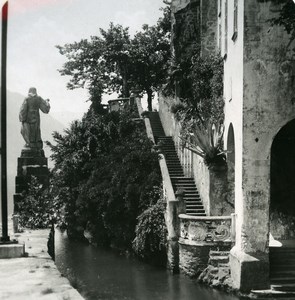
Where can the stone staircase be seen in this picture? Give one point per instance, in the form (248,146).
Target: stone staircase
(282,268)
(194,205)
(217,273)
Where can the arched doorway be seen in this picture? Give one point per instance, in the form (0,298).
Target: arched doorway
(231,165)
(282,206)
(282,182)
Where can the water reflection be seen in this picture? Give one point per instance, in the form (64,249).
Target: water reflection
(103,274)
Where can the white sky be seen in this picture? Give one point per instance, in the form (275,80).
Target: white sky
(36,26)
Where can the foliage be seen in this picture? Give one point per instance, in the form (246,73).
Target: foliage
(150,54)
(100,64)
(106,175)
(113,62)
(200,112)
(286,17)
(205,141)
(151,232)
(38,209)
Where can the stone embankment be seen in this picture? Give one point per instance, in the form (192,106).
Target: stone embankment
(36,275)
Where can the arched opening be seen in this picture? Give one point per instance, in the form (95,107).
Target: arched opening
(282,184)
(282,206)
(231,165)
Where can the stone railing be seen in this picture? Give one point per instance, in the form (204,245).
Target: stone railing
(207,230)
(119,103)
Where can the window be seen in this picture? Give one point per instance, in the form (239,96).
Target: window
(235,34)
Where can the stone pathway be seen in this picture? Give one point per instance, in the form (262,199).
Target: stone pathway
(36,276)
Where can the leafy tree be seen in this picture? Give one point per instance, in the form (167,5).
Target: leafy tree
(105,175)
(150,54)
(115,62)
(100,64)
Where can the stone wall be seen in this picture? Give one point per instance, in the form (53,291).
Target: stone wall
(194,26)
(259,90)
(209,27)
(269,80)
(185,27)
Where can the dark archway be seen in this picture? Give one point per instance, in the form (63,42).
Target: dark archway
(282,182)
(231,158)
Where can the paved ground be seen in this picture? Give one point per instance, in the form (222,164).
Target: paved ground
(36,276)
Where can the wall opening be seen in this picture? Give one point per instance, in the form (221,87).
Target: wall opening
(282,184)
(231,157)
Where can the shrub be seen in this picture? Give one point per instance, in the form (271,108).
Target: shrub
(151,233)
(38,209)
(106,175)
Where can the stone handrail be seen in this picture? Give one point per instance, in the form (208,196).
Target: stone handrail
(208,230)
(147,122)
(167,184)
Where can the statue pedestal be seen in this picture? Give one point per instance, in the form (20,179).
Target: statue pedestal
(32,162)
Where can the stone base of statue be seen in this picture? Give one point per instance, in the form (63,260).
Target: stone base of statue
(32,162)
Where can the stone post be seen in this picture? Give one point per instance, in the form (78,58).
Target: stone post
(174,209)
(32,162)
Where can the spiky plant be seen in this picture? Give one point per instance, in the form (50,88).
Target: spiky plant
(205,141)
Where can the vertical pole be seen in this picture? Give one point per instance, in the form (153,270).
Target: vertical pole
(4,207)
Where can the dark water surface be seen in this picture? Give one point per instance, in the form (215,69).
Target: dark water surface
(104,274)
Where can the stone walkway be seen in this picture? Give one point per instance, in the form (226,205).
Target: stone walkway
(36,276)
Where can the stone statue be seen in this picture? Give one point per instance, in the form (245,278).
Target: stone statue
(30,117)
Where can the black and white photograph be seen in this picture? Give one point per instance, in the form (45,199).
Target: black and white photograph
(147,150)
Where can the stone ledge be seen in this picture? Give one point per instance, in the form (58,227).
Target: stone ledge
(204,244)
(12,250)
(208,218)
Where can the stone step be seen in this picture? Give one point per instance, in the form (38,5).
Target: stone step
(186,184)
(190,200)
(282,273)
(288,264)
(190,194)
(283,287)
(196,214)
(217,260)
(195,210)
(218,253)
(197,202)
(197,206)
(174,167)
(183,178)
(282,280)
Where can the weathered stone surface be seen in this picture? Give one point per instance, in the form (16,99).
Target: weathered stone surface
(11,250)
(173,256)
(249,272)
(193,259)
(35,276)
(31,163)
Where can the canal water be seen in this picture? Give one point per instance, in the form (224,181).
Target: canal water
(104,274)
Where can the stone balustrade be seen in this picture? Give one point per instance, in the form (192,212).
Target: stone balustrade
(119,103)
(206,230)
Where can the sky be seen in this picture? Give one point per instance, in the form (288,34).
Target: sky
(35,27)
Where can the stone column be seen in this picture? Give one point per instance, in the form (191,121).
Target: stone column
(173,210)
(249,259)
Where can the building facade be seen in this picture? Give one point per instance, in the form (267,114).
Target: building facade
(259,94)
